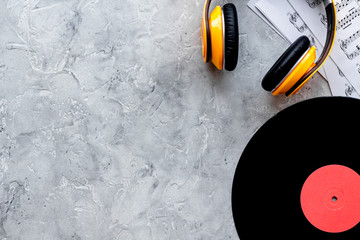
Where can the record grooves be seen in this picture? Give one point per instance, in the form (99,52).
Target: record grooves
(281,157)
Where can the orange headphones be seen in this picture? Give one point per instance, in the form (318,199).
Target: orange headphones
(220,36)
(297,64)
(220,45)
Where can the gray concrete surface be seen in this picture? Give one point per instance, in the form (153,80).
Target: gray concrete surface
(112,127)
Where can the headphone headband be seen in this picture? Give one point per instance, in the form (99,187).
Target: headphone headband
(205,32)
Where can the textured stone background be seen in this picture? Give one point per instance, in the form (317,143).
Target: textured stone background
(112,127)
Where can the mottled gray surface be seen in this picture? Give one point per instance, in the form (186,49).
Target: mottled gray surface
(112,127)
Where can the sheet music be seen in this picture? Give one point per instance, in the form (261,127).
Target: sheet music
(285,19)
(340,86)
(346,50)
(251,4)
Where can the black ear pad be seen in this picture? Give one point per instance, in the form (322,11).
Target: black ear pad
(285,63)
(231,36)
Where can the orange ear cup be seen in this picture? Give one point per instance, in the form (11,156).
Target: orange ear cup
(305,65)
(220,36)
(217,39)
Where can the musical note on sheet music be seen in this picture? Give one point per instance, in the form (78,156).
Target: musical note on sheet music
(352,15)
(354,54)
(348,19)
(295,20)
(314,3)
(343,4)
(346,42)
(349,90)
(323,20)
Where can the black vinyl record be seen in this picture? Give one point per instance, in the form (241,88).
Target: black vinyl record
(280,157)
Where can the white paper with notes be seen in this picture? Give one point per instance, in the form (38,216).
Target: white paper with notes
(346,50)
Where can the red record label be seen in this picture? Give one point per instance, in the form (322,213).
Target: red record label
(330,198)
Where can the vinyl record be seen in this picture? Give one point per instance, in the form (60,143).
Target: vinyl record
(298,177)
